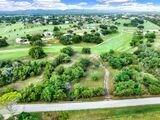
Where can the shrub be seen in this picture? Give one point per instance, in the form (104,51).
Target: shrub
(67,50)
(3,42)
(59,70)
(86,50)
(95,76)
(37,52)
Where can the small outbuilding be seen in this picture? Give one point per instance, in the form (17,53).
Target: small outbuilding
(22,41)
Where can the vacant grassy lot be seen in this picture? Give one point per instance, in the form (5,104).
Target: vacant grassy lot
(119,41)
(128,113)
(88,80)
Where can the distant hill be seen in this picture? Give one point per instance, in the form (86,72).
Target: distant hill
(48,12)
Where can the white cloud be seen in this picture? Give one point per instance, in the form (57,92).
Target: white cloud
(125,5)
(113,1)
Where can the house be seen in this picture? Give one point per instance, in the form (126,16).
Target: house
(22,41)
(48,34)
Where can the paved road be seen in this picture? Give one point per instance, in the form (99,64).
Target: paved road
(83,105)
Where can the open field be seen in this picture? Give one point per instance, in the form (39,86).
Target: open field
(128,113)
(64,60)
(119,41)
(88,82)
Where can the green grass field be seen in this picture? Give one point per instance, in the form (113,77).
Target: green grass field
(88,82)
(127,113)
(119,41)
(130,113)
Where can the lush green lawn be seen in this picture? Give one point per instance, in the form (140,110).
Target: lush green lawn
(116,42)
(127,113)
(21,30)
(119,41)
(88,82)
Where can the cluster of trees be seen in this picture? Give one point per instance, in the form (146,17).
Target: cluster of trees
(89,38)
(152,84)
(35,40)
(5,63)
(153,20)
(105,29)
(50,67)
(20,71)
(118,60)
(149,59)
(137,38)
(57,87)
(131,82)
(84,92)
(128,83)
(36,51)
(92,38)
(150,37)
(3,42)
(136,22)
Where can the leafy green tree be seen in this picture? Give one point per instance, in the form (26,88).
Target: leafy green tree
(76,38)
(3,42)
(86,50)
(67,50)
(37,52)
(56,29)
(35,40)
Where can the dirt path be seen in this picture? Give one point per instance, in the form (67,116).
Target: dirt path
(106,76)
(18,85)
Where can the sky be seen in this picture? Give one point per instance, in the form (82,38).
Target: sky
(115,5)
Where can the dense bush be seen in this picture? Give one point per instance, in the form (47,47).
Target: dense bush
(150,35)
(37,52)
(95,76)
(92,38)
(66,39)
(76,38)
(86,50)
(149,59)
(50,67)
(105,29)
(152,84)
(20,72)
(26,116)
(5,63)
(135,22)
(117,61)
(55,29)
(89,38)
(57,86)
(127,88)
(35,40)
(67,50)
(127,83)
(137,39)
(84,92)
(3,42)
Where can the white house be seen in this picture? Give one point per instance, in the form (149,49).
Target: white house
(22,41)
(48,34)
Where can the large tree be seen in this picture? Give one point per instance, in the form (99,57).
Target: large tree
(37,52)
